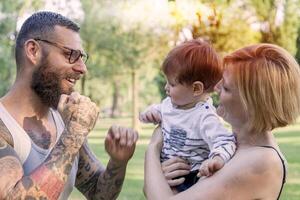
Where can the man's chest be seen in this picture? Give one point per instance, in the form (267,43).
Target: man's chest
(41,132)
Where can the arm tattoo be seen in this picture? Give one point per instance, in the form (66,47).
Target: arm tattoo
(89,170)
(94,181)
(110,182)
(62,156)
(49,184)
(46,182)
(14,185)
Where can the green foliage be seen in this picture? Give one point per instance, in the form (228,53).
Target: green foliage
(160,81)
(10,11)
(10,6)
(8,15)
(118,48)
(280,20)
(230,33)
(288,31)
(265,10)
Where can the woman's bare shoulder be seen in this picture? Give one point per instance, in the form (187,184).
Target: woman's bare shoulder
(257,158)
(249,168)
(253,168)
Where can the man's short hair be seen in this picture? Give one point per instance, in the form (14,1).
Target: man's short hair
(192,61)
(40,25)
(267,77)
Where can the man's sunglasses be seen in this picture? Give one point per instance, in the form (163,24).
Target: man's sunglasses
(74,54)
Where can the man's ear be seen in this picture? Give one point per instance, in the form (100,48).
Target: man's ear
(32,51)
(198,88)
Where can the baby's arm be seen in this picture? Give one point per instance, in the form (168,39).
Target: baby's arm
(152,114)
(221,142)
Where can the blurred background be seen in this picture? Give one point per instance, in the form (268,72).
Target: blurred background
(127,41)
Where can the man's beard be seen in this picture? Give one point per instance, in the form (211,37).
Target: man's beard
(47,85)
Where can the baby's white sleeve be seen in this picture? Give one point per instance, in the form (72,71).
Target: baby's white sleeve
(221,142)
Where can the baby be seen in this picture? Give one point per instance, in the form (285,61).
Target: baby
(190,126)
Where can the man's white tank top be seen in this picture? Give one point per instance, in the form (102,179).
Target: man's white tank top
(30,154)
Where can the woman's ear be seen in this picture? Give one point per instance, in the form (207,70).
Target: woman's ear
(198,88)
(32,51)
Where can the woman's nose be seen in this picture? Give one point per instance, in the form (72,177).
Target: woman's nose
(166,87)
(217,87)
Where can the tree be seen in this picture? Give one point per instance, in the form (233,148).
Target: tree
(10,12)
(279,21)
(119,49)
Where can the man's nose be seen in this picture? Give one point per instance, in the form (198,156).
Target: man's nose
(80,67)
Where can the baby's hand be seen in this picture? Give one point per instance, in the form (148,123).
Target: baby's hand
(150,116)
(210,166)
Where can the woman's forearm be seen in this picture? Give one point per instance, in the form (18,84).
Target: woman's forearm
(156,186)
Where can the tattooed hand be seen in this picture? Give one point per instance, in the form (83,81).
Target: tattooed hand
(120,143)
(78,112)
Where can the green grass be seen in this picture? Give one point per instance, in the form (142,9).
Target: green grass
(288,139)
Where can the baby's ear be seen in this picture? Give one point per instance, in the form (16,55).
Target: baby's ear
(198,88)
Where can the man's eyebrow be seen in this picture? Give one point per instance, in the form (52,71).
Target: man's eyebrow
(70,48)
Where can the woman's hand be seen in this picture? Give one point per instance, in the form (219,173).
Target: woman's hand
(173,169)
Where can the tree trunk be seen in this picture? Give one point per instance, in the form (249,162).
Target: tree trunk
(115,100)
(135,103)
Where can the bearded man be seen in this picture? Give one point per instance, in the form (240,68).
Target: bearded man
(44,124)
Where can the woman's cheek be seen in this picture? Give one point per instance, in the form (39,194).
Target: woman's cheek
(221,111)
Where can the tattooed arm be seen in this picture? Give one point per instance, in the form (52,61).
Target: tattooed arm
(93,180)
(13,182)
(14,185)
(47,181)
